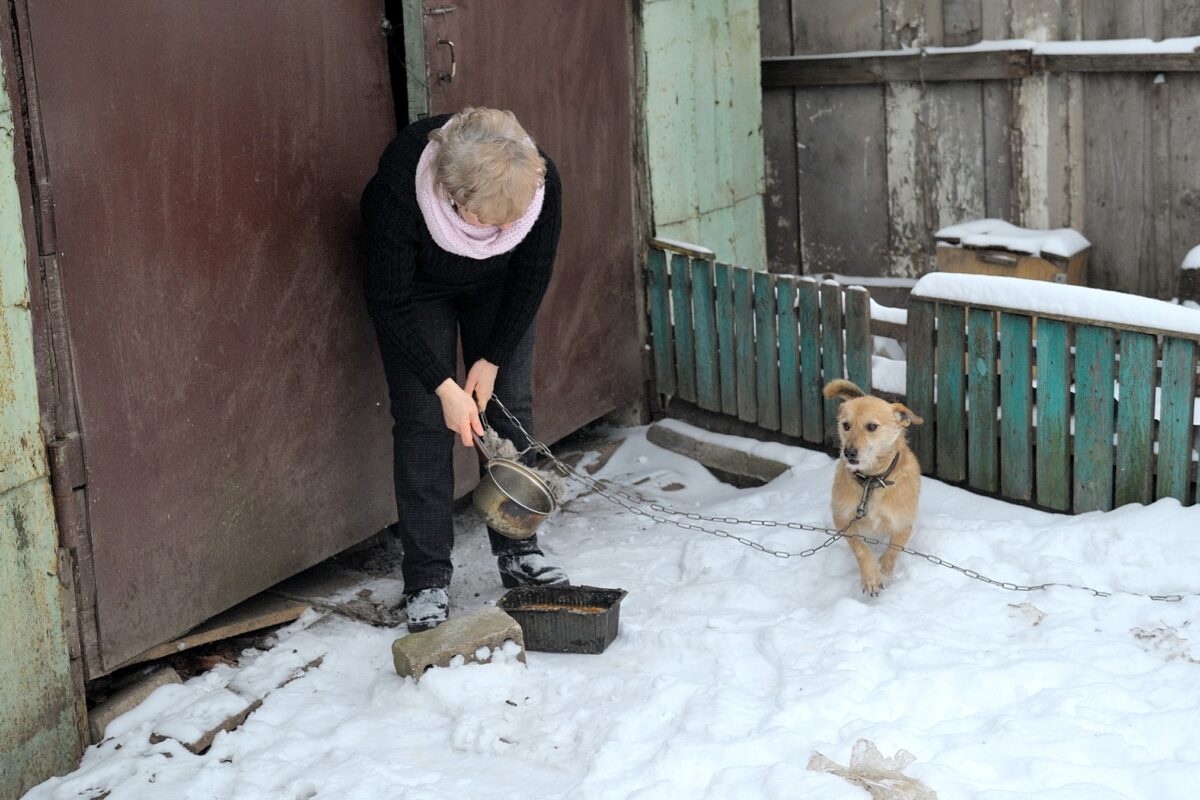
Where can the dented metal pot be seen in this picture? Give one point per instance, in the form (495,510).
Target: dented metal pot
(511,498)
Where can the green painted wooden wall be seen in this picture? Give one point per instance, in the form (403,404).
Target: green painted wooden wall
(39,736)
(703,124)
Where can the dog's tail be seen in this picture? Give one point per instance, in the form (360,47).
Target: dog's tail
(843,390)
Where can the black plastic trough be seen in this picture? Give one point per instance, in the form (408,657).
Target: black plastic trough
(565,619)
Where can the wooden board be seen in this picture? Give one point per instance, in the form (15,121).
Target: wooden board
(660,322)
(982,449)
(1135,419)
(920,380)
(951,392)
(1053,433)
(844,229)
(789,356)
(812,404)
(1175,430)
(1117,158)
(743,309)
(1016,407)
(681,313)
(723,298)
(832,356)
(1095,350)
(766,343)
(261,611)
(858,337)
(708,386)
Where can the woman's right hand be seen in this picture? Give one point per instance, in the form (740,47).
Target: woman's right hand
(459,411)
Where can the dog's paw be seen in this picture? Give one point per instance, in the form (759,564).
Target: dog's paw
(872,585)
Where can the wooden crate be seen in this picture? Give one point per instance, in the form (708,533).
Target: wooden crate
(991,261)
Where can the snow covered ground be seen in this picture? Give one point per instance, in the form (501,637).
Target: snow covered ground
(734,668)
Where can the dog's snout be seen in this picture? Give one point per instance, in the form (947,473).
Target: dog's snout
(851,453)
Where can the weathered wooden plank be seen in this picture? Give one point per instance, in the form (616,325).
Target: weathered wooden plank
(836,27)
(726,355)
(1175,427)
(845,230)
(779,146)
(1117,157)
(782,194)
(1183,122)
(952,128)
(1116,19)
(1016,407)
(1117,62)
(685,341)
(1135,419)
(998,169)
(743,311)
(951,392)
(660,323)
(911,23)
(1053,461)
(922,67)
(982,444)
(789,356)
(704,320)
(812,404)
(920,368)
(833,365)
(1160,276)
(1095,351)
(859,345)
(962,22)
(766,351)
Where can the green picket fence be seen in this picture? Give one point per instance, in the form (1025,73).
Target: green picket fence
(1026,406)
(1025,409)
(756,346)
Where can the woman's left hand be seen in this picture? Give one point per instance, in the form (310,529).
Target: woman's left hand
(481,382)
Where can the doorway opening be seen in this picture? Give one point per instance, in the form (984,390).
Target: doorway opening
(393,11)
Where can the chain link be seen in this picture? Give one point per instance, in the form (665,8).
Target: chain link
(637,504)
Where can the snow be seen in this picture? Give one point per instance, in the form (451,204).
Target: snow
(1187,44)
(734,668)
(675,244)
(1059,300)
(1192,259)
(1064,242)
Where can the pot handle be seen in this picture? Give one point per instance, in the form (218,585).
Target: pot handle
(487,455)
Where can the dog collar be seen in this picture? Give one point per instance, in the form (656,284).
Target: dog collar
(872,482)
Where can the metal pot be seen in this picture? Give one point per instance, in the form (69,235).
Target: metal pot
(511,498)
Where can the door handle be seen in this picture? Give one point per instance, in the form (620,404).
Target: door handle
(446,77)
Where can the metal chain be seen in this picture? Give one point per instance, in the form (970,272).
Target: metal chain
(634,504)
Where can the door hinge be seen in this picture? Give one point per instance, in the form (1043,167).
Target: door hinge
(65,457)
(439,11)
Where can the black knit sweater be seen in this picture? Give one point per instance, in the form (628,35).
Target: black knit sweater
(402,259)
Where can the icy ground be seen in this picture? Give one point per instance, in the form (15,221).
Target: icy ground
(733,668)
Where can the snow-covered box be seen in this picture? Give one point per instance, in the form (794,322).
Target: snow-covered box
(994,247)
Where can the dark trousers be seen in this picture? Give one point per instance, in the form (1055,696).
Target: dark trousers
(423,445)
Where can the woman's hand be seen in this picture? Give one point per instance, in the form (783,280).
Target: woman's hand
(459,411)
(481,382)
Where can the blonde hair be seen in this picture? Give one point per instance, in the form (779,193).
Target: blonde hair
(487,164)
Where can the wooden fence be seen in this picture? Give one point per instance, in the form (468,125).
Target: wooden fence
(756,346)
(1026,406)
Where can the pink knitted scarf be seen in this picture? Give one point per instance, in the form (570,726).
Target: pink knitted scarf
(453,233)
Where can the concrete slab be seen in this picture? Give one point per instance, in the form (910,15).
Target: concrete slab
(475,637)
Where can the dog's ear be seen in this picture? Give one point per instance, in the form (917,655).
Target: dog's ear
(905,415)
(843,390)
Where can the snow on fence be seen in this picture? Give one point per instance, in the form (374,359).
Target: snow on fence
(1026,385)
(753,345)
(1047,393)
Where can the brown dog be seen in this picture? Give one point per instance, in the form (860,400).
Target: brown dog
(874,451)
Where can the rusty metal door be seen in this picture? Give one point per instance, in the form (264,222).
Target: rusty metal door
(566,71)
(205,162)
